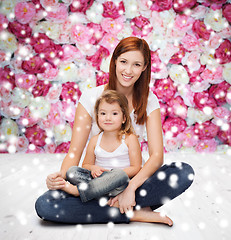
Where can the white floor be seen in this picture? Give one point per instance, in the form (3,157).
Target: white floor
(202,212)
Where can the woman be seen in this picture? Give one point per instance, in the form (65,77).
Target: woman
(130,73)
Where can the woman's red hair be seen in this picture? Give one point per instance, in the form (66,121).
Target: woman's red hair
(141,86)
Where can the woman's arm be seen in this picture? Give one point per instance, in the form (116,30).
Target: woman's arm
(135,156)
(155,144)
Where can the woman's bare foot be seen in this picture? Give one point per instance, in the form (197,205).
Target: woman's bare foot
(147,215)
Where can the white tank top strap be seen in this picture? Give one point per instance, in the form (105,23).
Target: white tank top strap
(123,138)
(99,139)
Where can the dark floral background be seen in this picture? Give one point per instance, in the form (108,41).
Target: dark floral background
(52,50)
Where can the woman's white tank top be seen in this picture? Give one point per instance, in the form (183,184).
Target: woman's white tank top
(119,158)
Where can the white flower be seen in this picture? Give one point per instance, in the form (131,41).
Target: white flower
(54,93)
(62,133)
(94,13)
(198,12)
(8,42)
(178,74)
(172,144)
(226,72)
(8,129)
(208,60)
(67,73)
(213,19)
(105,64)
(131,9)
(195,115)
(7,8)
(39,107)
(50,28)
(21,97)
(125,32)
(167,52)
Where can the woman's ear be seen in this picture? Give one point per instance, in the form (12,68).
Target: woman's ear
(144,68)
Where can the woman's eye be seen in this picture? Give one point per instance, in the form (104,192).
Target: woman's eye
(137,65)
(122,61)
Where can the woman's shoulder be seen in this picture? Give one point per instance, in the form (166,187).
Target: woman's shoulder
(153,103)
(94,91)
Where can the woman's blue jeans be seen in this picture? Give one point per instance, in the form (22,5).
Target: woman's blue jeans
(109,183)
(166,183)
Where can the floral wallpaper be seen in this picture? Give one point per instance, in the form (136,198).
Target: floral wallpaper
(52,50)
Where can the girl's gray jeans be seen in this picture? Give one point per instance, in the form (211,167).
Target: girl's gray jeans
(109,183)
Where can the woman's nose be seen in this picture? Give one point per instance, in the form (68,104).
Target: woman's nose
(128,69)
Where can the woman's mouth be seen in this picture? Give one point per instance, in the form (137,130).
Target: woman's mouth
(127,78)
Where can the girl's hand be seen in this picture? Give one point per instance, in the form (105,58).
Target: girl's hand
(55,181)
(126,200)
(96,171)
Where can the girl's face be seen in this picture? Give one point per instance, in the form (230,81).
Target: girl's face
(129,67)
(110,116)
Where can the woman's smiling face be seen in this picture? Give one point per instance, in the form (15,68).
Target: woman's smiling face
(129,66)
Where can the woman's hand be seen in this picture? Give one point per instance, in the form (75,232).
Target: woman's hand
(126,200)
(96,171)
(55,181)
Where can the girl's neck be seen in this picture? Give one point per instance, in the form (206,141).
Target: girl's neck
(111,135)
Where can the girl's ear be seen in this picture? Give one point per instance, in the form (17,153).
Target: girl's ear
(124,120)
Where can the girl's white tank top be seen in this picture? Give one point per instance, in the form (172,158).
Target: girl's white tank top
(119,158)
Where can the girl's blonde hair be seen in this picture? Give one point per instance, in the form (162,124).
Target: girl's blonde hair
(111,96)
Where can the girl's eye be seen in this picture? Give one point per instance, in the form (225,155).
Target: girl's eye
(102,113)
(115,113)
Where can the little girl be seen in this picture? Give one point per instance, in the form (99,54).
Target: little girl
(112,157)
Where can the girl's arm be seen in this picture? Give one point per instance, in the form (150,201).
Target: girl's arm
(135,156)
(155,144)
(89,160)
(80,133)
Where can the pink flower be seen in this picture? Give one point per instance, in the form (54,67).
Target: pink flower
(214,76)
(161,5)
(141,26)
(219,92)
(174,125)
(22,144)
(68,110)
(164,89)
(52,53)
(223,52)
(202,99)
(180,6)
(21,31)
(201,30)
(50,73)
(41,88)
(63,147)
(98,32)
(71,53)
(58,14)
(225,136)
(35,149)
(97,58)
(177,107)
(222,113)
(54,93)
(177,57)
(70,92)
(191,59)
(49,3)
(7,83)
(113,26)
(227,12)
(206,130)
(144,146)
(2,56)
(36,135)
(81,5)
(188,137)
(109,41)
(81,34)
(34,65)
(214,4)
(228,96)
(206,146)
(50,148)
(183,23)
(194,74)
(25,81)
(55,115)
(24,12)
(40,42)
(163,111)
(26,119)
(102,78)
(113,10)
(156,62)
(172,144)
(190,42)
(3,22)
